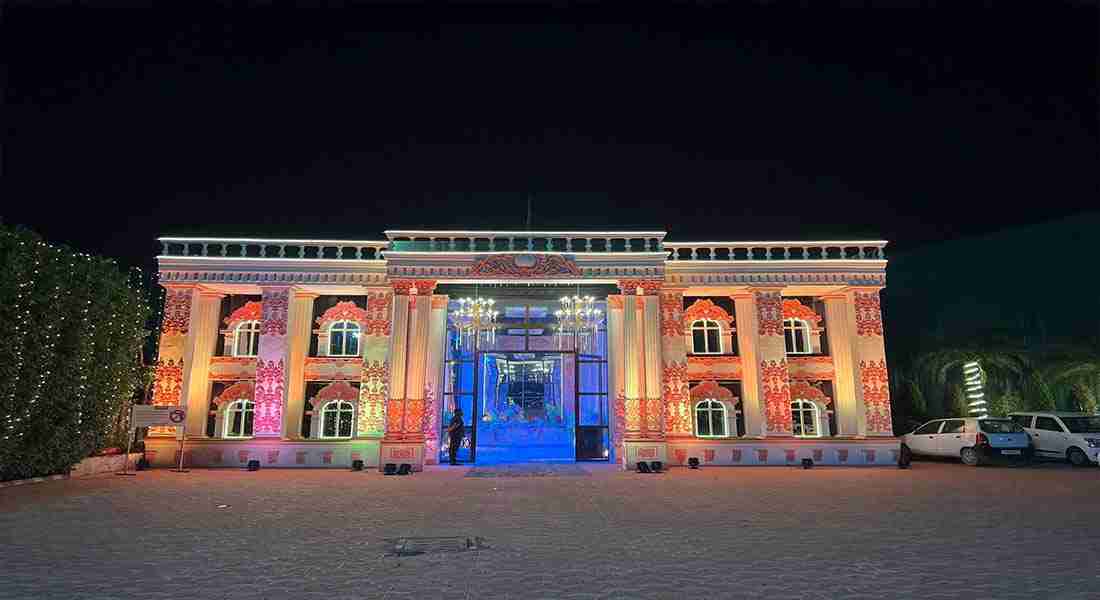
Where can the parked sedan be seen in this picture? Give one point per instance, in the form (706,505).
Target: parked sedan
(973,440)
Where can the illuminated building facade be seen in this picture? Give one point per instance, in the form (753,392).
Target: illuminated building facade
(605,346)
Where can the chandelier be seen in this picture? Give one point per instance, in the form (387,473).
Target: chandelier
(476,321)
(580,319)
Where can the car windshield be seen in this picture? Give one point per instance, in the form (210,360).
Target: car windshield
(1082,424)
(990,426)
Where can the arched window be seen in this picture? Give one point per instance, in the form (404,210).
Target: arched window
(343,339)
(710,419)
(238,419)
(246,339)
(805,419)
(797,333)
(336,419)
(706,337)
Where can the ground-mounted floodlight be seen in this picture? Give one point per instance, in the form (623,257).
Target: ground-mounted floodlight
(807,463)
(974,381)
(356,465)
(253,465)
(693,462)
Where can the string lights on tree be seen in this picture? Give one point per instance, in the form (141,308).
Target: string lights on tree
(974,382)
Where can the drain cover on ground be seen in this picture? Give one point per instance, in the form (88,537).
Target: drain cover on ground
(528,470)
(415,546)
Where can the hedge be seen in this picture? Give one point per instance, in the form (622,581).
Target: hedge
(72,328)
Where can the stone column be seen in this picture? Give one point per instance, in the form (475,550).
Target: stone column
(765,381)
(271,363)
(633,365)
(420,314)
(677,402)
(616,373)
(654,367)
(841,332)
(874,381)
(399,340)
(173,350)
(375,382)
(433,378)
(202,340)
(300,331)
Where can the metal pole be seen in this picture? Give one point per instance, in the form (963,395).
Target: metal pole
(129,445)
(180,469)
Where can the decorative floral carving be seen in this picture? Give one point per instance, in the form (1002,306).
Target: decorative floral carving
(513,266)
(868,314)
(769,313)
(395,414)
(614,302)
(803,390)
(275,304)
(710,390)
(251,311)
(343,311)
(326,368)
(714,367)
(651,287)
(177,311)
(268,398)
(681,455)
(654,413)
(402,287)
(672,306)
(793,309)
(424,287)
(431,427)
(618,410)
(337,390)
(242,390)
(777,397)
(876,396)
(705,309)
(169,382)
(677,411)
(373,389)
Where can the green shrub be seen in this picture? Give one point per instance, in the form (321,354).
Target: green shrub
(71,331)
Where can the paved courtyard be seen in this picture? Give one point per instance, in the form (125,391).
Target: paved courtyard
(939,530)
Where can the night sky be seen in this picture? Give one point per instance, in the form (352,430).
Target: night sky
(742,121)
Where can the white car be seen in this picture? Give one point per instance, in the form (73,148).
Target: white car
(971,439)
(1069,435)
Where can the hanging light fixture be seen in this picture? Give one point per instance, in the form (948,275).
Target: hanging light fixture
(974,380)
(476,321)
(578,318)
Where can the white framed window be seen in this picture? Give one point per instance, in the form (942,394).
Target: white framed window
(343,339)
(706,337)
(337,418)
(805,419)
(246,339)
(238,419)
(710,419)
(797,333)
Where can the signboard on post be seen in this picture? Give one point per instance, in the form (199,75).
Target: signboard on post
(152,416)
(145,415)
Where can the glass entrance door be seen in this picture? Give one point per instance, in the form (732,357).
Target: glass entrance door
(526,407)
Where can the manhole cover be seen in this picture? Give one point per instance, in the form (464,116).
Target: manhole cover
(415,546)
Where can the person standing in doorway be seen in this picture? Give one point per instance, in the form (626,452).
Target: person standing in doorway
(455,431)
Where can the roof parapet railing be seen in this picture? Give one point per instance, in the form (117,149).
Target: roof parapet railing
(272,248)
(525,241)
(746,251)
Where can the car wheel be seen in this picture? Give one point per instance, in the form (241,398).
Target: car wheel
(906,455)
(1077,458)
(970,457)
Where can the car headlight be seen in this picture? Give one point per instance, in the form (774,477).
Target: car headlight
(1093,442)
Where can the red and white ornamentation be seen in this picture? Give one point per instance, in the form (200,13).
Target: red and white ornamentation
(327,368)
(876,396)
(618,411)
(710,390)
(714,367)
(378,314)
(706,309)
(337,390)
(241,390)
(424,287)
(270,377)
(402,287)
(648,287)
(275,304)
(674,382)
(803,390)
(868,314)
(250,311)
(169,382)
(614,302)
(372,397)
(672,317)
(177,311)
(793,309)
(769,313)
(343,311)
(777,397)
(524,266)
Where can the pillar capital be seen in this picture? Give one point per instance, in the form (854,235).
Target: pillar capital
(640,287)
